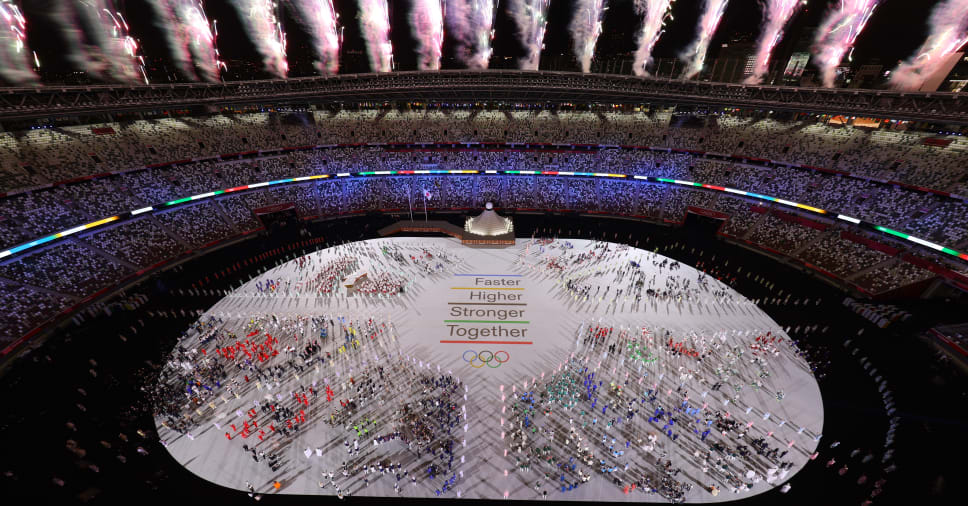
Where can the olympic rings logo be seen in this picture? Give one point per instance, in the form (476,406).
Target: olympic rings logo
(491,359)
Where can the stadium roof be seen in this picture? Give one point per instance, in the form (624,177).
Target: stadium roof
(461,86)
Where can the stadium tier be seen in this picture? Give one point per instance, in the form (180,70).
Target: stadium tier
(111,200)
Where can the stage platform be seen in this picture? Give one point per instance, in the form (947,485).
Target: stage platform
(552,366)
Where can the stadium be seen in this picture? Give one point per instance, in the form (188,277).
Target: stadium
(478,284)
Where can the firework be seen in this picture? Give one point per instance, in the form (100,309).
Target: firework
(375,24)
(427,22)
(129,46)
(98,42)
(14,56)
(695,55)
(319,18)
(64,14)
(471,23)
(108,31)
(531,18)
(202,38)
(176,36)
(949,31)
(586,26)
(655,13)
(261,22)
(190,37)
(776,14)
(837,33)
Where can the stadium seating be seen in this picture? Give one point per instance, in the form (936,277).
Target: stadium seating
(132,163)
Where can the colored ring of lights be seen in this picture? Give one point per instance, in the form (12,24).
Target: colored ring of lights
(42,240)
(507,356)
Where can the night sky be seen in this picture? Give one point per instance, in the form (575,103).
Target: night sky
(896,29)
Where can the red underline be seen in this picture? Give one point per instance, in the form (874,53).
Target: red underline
(486,342)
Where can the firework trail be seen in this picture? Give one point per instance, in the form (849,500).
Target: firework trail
(471,22)
(375,23)
(531,18)
(319,19)
(695,54)
(98,40)
(190,37)
(77,51)
(202,38)
(261,22)
(776,14)
(586,26)
(837,33)
(14,57)
(949,31)
(176,36)
(128,47)
(427,22)
(655,13)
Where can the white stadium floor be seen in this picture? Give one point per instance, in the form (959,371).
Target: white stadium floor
(497,329)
